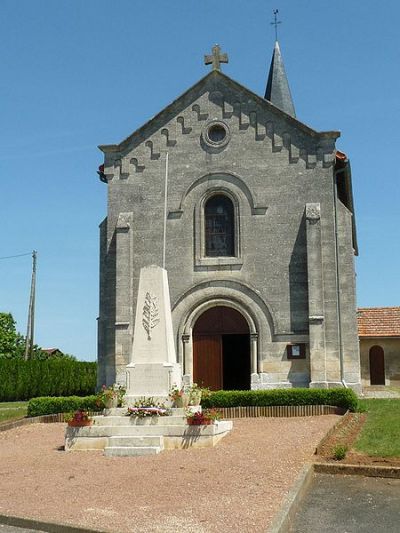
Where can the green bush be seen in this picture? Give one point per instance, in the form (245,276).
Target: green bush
(339,452)
(22,380)
(50,406)
(345,398)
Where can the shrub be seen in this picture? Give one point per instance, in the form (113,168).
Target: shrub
(339,452)
(50,405)
(22,380)
(345,398)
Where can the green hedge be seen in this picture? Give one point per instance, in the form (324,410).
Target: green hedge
(345,398)
(22,380)
(50,406)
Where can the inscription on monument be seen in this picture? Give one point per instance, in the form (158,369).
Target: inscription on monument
(150,317)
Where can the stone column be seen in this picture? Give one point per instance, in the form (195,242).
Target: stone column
(254,353)
(315,296)
(123,327)
(187,359)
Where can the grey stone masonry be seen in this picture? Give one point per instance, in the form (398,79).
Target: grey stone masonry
(291,275)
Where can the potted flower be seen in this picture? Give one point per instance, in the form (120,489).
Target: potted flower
(79,418)
(179,397)
(111,396)
(195,393)
(203,418)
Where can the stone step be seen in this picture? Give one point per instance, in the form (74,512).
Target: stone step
(144,431)
(136,441)
(128,431)
(130,451)
(135,421)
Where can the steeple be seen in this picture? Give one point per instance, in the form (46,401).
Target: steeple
(277,91)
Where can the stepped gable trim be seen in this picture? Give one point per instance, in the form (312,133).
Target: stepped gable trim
(212,75)
(378,321)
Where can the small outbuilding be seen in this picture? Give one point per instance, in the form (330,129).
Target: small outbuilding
(379,334)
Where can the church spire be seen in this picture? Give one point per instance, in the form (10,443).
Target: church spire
(277,91)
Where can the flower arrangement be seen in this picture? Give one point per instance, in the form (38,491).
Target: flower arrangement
(111,396)
(203,418)
(78,419)
(187,395)
(195,393)
(142,412)
(179,396)
(147,407)
(176,393)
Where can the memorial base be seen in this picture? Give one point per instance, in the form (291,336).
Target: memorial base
(155,380)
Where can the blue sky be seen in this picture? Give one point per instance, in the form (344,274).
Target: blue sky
(76,74)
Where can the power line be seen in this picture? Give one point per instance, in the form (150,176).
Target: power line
(12,256)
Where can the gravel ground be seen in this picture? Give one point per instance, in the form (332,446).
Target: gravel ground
(236,486)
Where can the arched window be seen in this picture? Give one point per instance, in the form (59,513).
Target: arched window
(219,227)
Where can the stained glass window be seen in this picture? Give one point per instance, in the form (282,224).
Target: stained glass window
(219,223)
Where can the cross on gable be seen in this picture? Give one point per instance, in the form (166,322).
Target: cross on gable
(216,58)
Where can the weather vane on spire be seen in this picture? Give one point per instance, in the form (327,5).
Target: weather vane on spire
(276,22)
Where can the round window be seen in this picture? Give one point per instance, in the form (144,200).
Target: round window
(216,133)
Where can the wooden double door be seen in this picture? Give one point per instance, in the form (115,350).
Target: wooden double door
(221,350)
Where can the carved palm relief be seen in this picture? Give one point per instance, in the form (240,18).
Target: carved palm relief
(150,317)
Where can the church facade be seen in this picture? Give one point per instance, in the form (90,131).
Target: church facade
(259,239)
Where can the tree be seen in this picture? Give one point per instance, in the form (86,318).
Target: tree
(12,343)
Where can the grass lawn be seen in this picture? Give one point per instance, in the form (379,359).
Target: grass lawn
(380,435)
(12,410)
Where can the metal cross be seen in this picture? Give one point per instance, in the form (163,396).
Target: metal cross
(275,23)
(216,58)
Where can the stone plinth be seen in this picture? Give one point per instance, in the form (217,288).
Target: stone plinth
(120,435)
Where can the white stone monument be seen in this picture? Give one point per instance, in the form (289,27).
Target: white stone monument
(153,369)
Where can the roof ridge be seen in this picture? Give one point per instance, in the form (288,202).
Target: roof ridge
(380,307)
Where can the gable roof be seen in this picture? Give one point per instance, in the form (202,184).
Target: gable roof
(378,321)
(215,76)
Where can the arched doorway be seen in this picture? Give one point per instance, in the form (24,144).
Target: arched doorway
(221,350)
(377,365)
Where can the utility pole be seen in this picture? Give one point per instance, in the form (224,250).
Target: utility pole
(31,312)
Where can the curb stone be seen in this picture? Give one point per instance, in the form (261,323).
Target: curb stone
(334,428)
(357,470)
(48,527)
(290,505)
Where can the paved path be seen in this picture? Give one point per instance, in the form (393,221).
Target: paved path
(381,392)
(349,504)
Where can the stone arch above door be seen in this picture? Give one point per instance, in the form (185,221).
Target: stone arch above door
(189,306)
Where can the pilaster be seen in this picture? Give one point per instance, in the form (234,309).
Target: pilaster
(315,296)
(123,327)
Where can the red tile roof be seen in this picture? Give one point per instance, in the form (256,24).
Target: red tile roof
(378,321)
